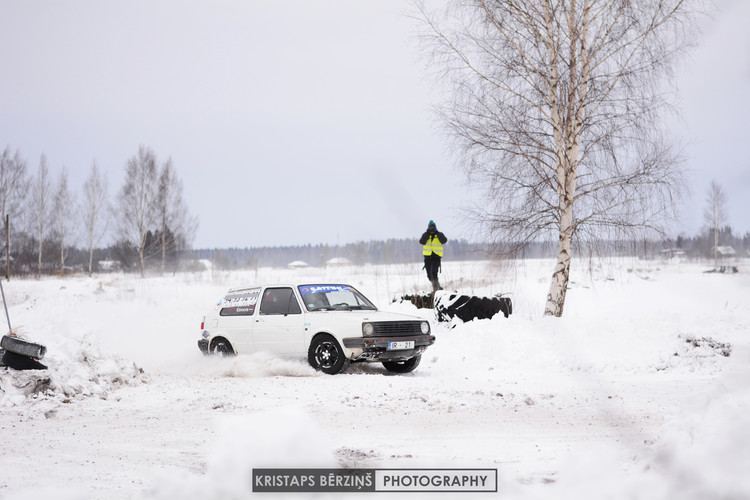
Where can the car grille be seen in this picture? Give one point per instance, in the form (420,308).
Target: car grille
(397,328)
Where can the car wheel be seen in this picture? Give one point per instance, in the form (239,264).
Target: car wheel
(325,355)
(402,366)
(221,347)
(18,346)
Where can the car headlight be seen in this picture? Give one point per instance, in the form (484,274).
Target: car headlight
(425,327)
(368,329)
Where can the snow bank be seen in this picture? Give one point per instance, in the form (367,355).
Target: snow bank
(282,437)
(707,454)
(78,368)
(702,456)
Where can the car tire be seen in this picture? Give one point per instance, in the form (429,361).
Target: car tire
(221,347)
(21,362)
(18,346)
(402,366)
(326,355)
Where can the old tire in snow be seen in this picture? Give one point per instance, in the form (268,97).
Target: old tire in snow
(325,355)
(468,307)
(18,346)
(21,362)
(402,366)
(221,347)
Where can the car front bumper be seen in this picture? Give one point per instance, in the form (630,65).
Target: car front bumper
(376,348)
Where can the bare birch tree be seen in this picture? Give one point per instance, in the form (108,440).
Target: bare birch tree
(555,111)
(64,214)
(175,222)
(715,214)
(40,209)
(137,199)
(94,211)
(13,186)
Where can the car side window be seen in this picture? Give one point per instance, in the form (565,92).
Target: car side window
(279,301)
(293,304)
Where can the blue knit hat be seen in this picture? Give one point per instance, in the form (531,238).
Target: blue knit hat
(431,224)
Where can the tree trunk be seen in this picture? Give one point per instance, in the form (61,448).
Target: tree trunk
(716,247)
(163,250)
(141,261)
(62,257)
(559,286)
(39,266)
(91,257)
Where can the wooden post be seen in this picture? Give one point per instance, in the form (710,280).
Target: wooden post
(7,247)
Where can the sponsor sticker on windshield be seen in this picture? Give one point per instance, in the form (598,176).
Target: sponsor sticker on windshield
(308,289)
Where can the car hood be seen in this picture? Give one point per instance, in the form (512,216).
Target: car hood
(362,316)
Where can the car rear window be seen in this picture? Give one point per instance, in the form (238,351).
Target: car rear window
(239,302)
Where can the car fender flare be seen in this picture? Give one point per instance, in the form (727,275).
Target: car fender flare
(349,353)
(217,338)
(220,333)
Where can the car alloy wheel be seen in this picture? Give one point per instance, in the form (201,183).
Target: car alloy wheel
(325,354)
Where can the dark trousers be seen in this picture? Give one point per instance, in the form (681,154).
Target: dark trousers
(432,266)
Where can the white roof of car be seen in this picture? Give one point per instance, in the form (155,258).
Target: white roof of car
(287,285)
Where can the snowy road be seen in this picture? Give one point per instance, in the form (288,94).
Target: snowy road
(363,419)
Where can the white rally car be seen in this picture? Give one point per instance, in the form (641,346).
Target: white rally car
(333,325)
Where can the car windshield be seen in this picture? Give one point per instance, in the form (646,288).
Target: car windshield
(334,298)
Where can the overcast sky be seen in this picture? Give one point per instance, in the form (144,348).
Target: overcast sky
(298,121)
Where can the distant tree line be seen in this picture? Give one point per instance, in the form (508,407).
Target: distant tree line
(392,251)
(404,251)
(51,227)
(704,245)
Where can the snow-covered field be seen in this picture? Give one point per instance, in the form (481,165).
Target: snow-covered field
(629,395)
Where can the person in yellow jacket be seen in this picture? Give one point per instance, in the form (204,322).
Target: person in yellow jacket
(433,241)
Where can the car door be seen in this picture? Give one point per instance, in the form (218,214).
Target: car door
(279,323)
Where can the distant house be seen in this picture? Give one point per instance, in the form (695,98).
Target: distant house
(109,265)
(297,264)
(726,251)
(673,253)
(338,262)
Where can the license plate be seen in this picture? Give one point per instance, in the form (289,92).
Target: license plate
(398,346)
